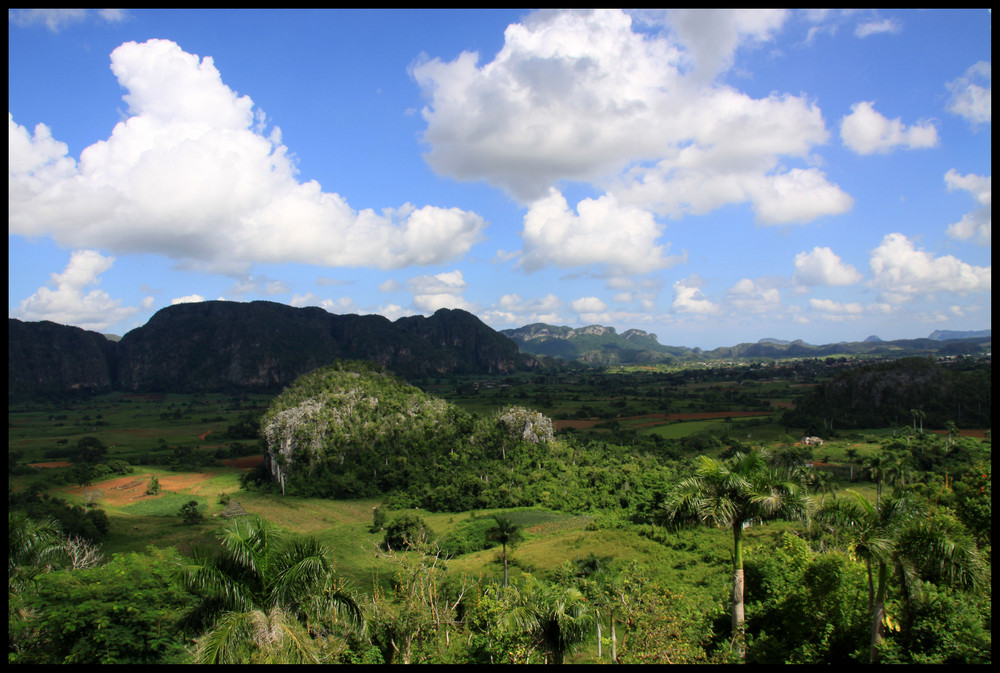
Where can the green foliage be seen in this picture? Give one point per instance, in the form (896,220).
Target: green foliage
(120,613)
(804,607)
(262,599)
(974,502)
(190,513)
(153,487)
(468,537)
(407,531)
(91,524)
(939,625)
(90,450)
(896,393)
(379,517)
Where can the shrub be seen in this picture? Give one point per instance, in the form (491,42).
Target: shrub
(407,531)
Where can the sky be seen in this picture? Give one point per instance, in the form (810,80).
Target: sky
(712,177)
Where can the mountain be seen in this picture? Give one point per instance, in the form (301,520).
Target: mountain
(47,358)
(600,345)
(944,335)
(216,346)
(594,344)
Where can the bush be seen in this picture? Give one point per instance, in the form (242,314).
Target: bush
(189,512)
(407,531)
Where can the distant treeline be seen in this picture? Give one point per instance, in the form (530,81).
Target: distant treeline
(911,392)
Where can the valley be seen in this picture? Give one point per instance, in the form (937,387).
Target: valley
(624,437)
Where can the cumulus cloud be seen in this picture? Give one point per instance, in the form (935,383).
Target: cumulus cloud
(867,132)
(511,309)
(582,96)
(972,94)
(68,301)
(978,224)
(187,299)
(442,290)
(902,272)
(822,266)
(190,174)
(747,296)
(601,231)
(342,305)
(688,297)
(711,36)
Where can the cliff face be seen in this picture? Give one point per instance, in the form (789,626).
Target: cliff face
(48,358)
(217,346)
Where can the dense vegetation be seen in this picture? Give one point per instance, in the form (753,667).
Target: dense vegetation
(417,530)
(910,391)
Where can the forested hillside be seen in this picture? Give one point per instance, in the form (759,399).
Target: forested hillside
(906,392)
(354,430)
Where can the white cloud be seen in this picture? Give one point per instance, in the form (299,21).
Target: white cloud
(511,309)
(188,299)
(337,306)
(688,297)
(877,27)
(902,272)
(972,94)
(582,96)
(712,36)
(824,267)
(867,132)
(588,305)
(830,306)
(602,231)
(442,290)
(746,296)
(69,303)
(57,19)
(979,223)
(191,175)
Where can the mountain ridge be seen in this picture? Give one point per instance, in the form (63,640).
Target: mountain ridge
(217,346)
(598,344)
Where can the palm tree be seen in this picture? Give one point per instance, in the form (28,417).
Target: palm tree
(892,537)
(259,595)
(553,616)
(31,547)
(735,493)
(507,534)
(879,466)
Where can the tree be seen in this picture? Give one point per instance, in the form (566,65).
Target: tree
(407,531)
(537,616)
(189,512)
(507,534)
(90,450)
(153,488)
(122,612)
(258,597)
(894,539)
(734,494)
(32,547)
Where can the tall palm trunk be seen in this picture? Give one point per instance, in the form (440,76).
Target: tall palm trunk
(738,608)
(878,612)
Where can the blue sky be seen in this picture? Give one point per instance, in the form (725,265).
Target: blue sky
(711,177)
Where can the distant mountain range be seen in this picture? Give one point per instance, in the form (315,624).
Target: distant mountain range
(218,346)
(596,344)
